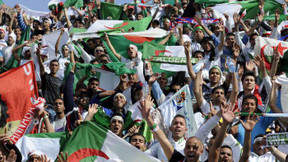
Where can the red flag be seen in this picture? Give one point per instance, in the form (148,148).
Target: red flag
(18,91)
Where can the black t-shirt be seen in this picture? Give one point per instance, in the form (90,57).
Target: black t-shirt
(51,87)
(177,157)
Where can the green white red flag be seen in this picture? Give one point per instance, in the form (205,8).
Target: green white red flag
(89,142)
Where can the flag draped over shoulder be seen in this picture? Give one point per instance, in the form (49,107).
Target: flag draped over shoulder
(75,3)
(180,103)
(265,47)
(18,91)
(111,10)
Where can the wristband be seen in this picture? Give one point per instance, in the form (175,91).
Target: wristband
(153,127)
(46,116)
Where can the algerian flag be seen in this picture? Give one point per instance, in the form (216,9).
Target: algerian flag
(29,12)
(89,142)
(50,41)
(75,3)
(251,7)
(43,143)
(107,74)
(265,47)
(111,10)
(151,50)
(1,2)
(211,2)
(121,43)
(180,103)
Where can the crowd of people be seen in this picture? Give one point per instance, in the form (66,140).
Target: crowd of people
(230,80)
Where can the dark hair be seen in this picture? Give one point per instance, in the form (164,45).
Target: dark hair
(230,34)
(137,134)
(179,116)
(156,22)
(212,51)
(248,73)
(80,85)
(218,87)
(284,32)
(136,88)
(91,39)
(194,53)
(58,99)
(54,61)
(94,60)
(227,146)
(253,34)
(93,79)
(250,96)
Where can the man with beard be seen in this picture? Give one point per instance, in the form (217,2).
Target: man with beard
(178,129)
(139,141)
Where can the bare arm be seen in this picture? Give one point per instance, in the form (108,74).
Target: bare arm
(165,40)
(228,116)
(157,133)
(78,11)
(58,41)
(276,59)
(222,36)
(180,31)
(69,24)
(209,32)
(112,48)
(48,125)
(198,88)
(40,61)
(188,62)
(281,156)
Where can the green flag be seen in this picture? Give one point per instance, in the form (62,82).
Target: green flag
(211,2)
(111,10)
(75,3)
(12,63)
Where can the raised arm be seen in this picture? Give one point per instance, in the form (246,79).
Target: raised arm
(248,126)
(165,40)
(58,41)
(198,88)
(16,49)
(228,116)
(77,10)
(157,132)
(222,36)
(40,61)
(188,62)
(69,24)
(111,47)
(209,32)
(274,66)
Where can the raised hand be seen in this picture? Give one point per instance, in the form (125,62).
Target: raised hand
(250,66)
(93,109)
(11,157)
(153,78)
(44,158)
(146,107)
(62,159)
(198,19)
(250,123)
(236,18)
(227,113)
(259,62)
(236,50)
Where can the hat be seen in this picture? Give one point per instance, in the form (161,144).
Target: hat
(65,46)
(25,49)
(216,67)
(133,46)
(99,48)
(198,27)
(120,94)
(13,36)
(130,7)
(187,26)
(35,152)
(209,40)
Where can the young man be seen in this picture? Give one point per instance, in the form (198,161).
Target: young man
(139,141)
(178,129)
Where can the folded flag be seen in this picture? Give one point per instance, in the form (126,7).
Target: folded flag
(75,3)
(193,20)
(18,91)
(180,103)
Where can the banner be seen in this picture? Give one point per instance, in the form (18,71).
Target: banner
(18,91)
(276,139)
(180,103)
(172,60)
(193,20)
